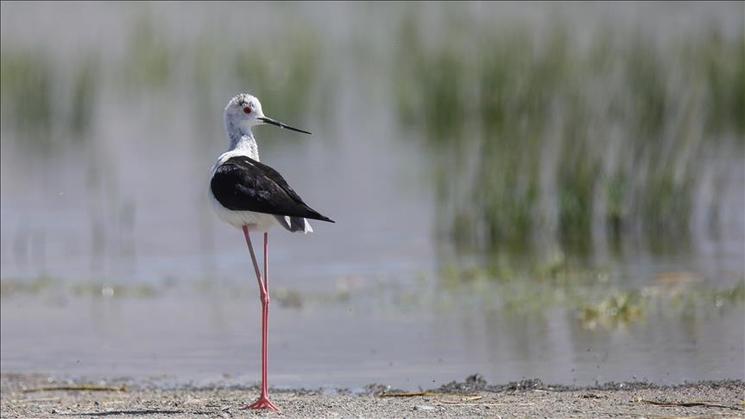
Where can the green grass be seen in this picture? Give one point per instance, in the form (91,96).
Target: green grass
(36,97)
(84,95)
(26,80)
(565,134)
(150,60)
(598,299)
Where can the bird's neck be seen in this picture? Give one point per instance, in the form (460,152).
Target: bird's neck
(242,140)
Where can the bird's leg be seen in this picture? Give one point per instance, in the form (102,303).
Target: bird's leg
(262,287)
(263,402)
(265,323)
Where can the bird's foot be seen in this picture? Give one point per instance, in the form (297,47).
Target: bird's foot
(263,403)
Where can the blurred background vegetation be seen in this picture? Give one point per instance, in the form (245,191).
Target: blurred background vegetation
(582,138)
(562,139)
(571,144)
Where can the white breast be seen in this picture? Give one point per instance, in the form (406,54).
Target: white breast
(255,220)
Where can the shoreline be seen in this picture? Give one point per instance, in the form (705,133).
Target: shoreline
(38,395)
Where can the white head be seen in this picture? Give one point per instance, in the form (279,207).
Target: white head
(244,111)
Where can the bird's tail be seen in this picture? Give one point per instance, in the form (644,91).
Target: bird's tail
(294,224)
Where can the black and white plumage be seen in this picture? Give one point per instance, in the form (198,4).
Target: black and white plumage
(246,192)
(245,185)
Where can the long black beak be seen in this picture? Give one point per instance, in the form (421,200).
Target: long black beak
(279,124)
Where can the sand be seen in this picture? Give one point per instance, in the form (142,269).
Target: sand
(41,396)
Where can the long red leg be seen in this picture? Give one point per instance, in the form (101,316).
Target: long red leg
(263,402)
(265,323)
(262,288)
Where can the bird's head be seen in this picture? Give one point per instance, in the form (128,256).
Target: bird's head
(245,111)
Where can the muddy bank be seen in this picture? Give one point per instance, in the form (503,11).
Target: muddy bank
(41,396)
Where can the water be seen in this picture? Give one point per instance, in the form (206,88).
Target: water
(113,265)
(208,340)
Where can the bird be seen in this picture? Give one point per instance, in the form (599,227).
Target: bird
(253,197)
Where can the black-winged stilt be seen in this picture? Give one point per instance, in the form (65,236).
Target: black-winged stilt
(254,197)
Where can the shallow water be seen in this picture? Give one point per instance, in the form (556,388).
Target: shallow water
(123,203)
(363,338)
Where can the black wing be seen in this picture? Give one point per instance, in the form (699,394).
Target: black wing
(244,184)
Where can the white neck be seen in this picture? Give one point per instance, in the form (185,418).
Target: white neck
(242,140)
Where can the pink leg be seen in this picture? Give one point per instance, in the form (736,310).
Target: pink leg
(263,402)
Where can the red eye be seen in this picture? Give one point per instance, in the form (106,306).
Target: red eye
(247,109)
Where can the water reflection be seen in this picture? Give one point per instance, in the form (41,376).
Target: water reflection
(515,182)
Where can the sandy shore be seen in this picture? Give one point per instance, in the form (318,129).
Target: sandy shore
(40,396)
